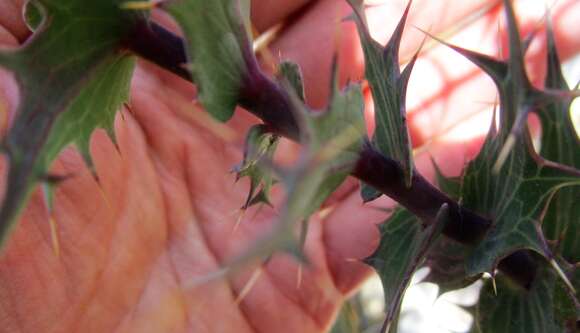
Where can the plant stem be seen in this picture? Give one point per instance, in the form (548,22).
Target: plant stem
(160,46)
(269,101)
(421,198)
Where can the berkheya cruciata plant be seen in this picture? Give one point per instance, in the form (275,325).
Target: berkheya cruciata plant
(511,214)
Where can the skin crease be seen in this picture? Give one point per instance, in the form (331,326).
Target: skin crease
(134,247)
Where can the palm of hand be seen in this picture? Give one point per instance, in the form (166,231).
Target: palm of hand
(161,217)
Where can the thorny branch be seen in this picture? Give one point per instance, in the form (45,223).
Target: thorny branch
(270,102)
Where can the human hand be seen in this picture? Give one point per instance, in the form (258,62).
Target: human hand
(133,247)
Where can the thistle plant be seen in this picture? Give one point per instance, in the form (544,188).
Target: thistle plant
(509,218)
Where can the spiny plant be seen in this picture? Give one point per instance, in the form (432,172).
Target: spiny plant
(511,214)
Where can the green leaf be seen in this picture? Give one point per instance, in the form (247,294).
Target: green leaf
(508,182)
(388,87)
(561,144)
(95,107)
(331,140)
(77,47)
(219,49)
(32,15)
(369,193)
(522,192)
(402,250)
(260,145)
(514,198)
(291,72)
(566,304)
(515,309)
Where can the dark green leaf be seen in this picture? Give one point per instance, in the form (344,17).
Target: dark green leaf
(369,193)
(520,191)
(219,49)
(260,144)
(332,139)
(515,310)
(66,65)
(32,15)
(95,107)
(514,198)
(291,73)
(561,144)
(507,181)
(388,87)
(566,304)
(402,250)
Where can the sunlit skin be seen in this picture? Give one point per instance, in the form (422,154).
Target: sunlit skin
(131,251)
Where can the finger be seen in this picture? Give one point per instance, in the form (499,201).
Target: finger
(8,86)
(267,13)
(350,235)
(11,18)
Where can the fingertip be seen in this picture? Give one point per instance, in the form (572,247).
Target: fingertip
(12,19)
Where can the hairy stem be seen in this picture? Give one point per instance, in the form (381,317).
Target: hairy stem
(269,101)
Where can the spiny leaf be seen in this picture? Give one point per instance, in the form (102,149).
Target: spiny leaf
(514,198)
(561,144)
(95,107)
(77,47)
(290,72)
(260,144)
(567,305)
(219,49)
(388,87)
(369,193)
(507,181)
(512,185)
(515,309)
(331,139)
(32,15)
(402,249)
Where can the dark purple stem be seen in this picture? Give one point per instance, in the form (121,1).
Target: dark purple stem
(421,198)
(160,46)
